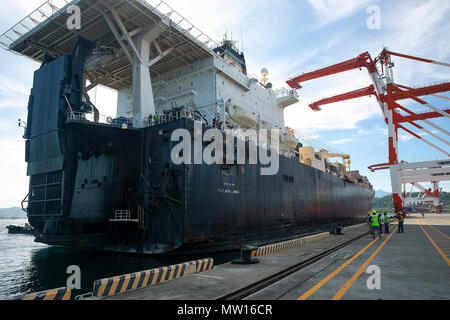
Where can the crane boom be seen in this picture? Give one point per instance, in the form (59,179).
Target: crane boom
(385,53)
(419,92)
(368,91)
(418,117)
(363,60)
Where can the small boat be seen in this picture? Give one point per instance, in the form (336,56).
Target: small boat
(25,229)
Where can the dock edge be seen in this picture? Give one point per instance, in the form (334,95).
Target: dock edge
(133,281)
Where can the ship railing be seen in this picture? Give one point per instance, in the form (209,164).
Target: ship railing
(123,216)
(283,92)
(152,120)
(42,14)
(163,10)
(101,119)
(174,116)
(51,8)
(233,71)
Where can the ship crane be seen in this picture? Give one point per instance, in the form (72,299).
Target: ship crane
(345,159)
(388,94)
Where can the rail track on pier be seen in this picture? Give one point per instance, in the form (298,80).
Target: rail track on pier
(264,283)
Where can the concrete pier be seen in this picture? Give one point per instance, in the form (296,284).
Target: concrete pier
(401,266)
(411,265)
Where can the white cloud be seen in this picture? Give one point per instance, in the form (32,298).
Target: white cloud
(204,14)
(330,11)
(419,29)
(105,100)
(10,86)
(377,130)
(281,68)
(405,137)
(13,171)
(341,141)
(13,94)
(12,103)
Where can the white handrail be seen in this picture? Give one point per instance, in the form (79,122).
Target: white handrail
(39,16)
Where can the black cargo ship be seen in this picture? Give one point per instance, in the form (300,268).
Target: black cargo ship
(83,172)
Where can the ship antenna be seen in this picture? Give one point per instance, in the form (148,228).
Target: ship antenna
(242,41)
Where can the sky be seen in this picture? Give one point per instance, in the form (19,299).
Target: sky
(288,37)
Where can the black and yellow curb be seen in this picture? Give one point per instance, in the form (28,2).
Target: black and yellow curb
(129,282)
(54,294)
(272,248)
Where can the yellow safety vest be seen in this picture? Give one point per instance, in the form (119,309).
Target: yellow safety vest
(375,222)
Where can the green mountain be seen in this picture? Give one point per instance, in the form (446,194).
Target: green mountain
(381,193)
(12,213)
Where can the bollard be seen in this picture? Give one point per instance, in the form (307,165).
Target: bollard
(246,256)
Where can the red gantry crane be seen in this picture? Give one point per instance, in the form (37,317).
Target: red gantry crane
(388,94)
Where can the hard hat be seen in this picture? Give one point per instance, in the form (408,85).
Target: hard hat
(374,211)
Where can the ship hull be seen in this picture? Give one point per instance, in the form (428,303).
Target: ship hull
(189,208)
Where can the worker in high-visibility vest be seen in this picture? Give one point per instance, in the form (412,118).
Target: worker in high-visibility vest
(369,221)
(375,224)
(401,220)
(380,221)
(386,223)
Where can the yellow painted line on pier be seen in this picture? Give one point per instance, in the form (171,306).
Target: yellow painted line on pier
(352,280)
(436,229)
(311,291)
(434,244)
(205,276)
(442,220)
